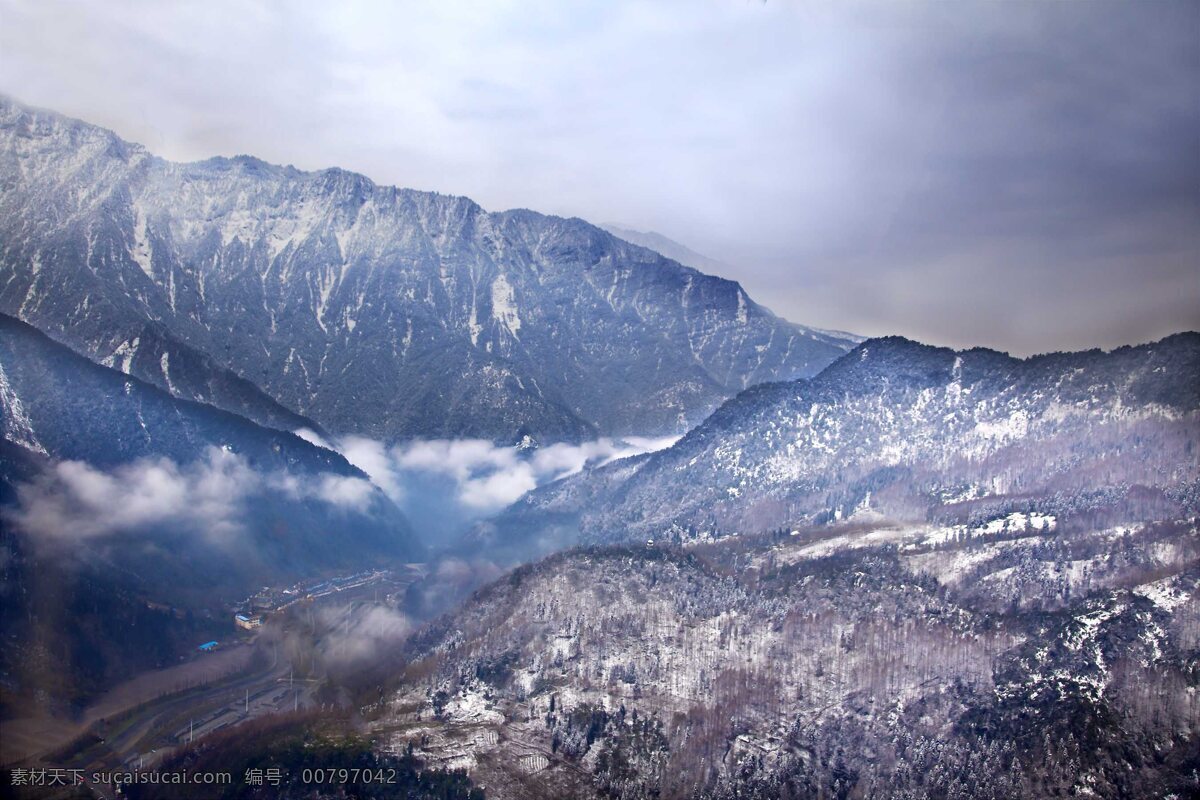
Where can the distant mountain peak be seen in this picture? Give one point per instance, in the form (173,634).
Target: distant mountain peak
(670,248)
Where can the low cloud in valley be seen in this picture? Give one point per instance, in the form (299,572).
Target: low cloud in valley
(73,500)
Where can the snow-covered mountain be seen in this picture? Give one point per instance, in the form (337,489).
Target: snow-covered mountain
(905,431)
(369,309)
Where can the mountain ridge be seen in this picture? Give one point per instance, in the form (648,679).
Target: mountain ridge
(890,428)
(431,316)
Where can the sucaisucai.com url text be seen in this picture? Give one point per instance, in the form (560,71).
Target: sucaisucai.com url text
(114,778)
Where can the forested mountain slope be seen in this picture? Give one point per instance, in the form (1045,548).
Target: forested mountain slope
(1026,656)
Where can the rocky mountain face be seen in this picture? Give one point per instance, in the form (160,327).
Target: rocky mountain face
(130,519)
(904,431)
(1025,655)
(368,309)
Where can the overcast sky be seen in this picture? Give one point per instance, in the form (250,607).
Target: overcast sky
(1022,176)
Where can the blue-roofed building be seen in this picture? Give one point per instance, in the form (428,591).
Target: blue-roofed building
(208,647)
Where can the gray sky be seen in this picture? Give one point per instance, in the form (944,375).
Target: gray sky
(1018,175)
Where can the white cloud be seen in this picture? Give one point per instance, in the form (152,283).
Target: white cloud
(74,500)
(486,477)
(345,492)
(312,437)
(460,458)
(498,489)
(360,636)
(636,445)
(373,458)
(443,485)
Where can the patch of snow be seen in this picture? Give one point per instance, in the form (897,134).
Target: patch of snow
(504,307)
(1015,426)
(165,364)
(1164,594)
(142,251)
(471,706)
(122,357)
(18,428)
(473,327)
